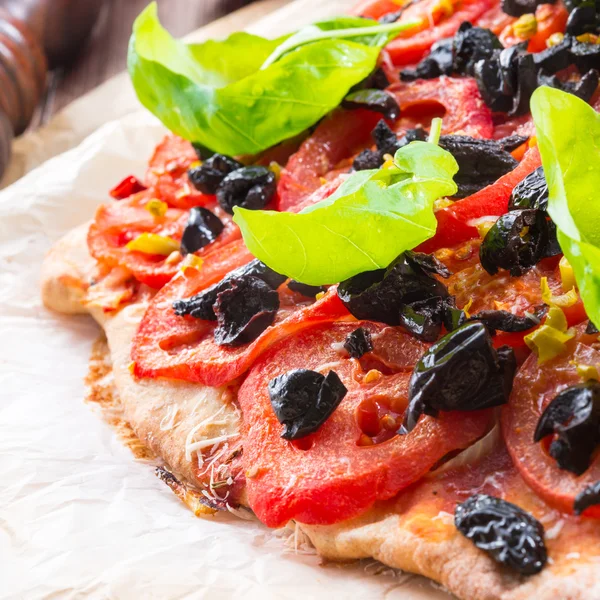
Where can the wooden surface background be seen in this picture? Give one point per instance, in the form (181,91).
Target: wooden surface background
(105,53)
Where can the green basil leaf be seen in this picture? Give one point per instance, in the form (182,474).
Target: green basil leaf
(568,133)
(218,95)
(364,225)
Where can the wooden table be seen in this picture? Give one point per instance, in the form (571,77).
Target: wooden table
(106,52)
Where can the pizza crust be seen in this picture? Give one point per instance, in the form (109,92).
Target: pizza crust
(163,412)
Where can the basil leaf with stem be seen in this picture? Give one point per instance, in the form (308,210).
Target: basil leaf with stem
(372,217)
(568,135)
(217,95)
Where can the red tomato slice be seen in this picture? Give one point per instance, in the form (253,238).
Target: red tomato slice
(117,223)
(167,174)
(551,18)
(474,287)
(455,221)
(184,348)
(410,47)
(534,387)
(337,137)
(457,100)
(353,459)
(495,20)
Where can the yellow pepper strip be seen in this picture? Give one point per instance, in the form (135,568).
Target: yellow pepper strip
(157,208)
(191,261)
(152,243)
(275,167)
(555,39)
(466,308)
(567,275)
(549,339)
(563,300)
(525,26)
(587,372)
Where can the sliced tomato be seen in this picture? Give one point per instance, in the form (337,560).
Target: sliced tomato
(551,18)
(375,9)
(456,222)
(167,174)
(184,348)
(495,19)
(435,24)
(477,290)
(338,136)
(534,387)
(456,100)
(522,125)
(356,456)
(117,223)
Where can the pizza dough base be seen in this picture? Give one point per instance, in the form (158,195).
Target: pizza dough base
(163,412)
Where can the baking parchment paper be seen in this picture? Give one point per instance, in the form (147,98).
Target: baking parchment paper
(79,516)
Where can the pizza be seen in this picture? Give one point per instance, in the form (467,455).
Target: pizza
(357,287)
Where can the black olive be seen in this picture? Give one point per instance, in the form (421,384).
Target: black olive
(488,75)
(244,310)
(202,228)
(532,192)
(303,400)
(200,306)
(391,17)
(472,44)
(462,371)
(590,496)
(248,187)
(591,329)
(511,142)
(583,19)
(310,291)
(573,418)
(427,263)
(552,247)
(379,295)
(555,58)
(516,242)
(358,342)
(527,83)
(376,80)
(423,318)
(376,100)
(202,152)
(367,160)
(207,177)
(438,62)
(502,320)
(385,139)
(480,162)
(585,87)
(585,56)
(518,8)
(510,535)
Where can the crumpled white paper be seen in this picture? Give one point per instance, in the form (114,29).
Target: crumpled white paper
(79,516)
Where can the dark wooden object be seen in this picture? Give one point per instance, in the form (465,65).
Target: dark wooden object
(35,35)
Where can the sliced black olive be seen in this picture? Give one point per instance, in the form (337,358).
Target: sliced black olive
(583,88)
(573,418)
(244,310)
(376,80)
(472,44)
(303,400)
(488,75)
(585,56)
(200,306)
(453,317)
(518,8)
(202,152)
(376,100)
(511,142)
(202,228)
(438,62)
(391,17)
(516,242)
(385,139)
(527,78)
(583,19)
(480,162)
(591,329)
(462,371)
(367,160)
(423,318)
(379,295)
(590,496)
(358,342)
(427,263)
(532,192)
(248,187)
(555,58)
(208,176)
(510,535)
(310,291)
(502,320)
(552,247)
